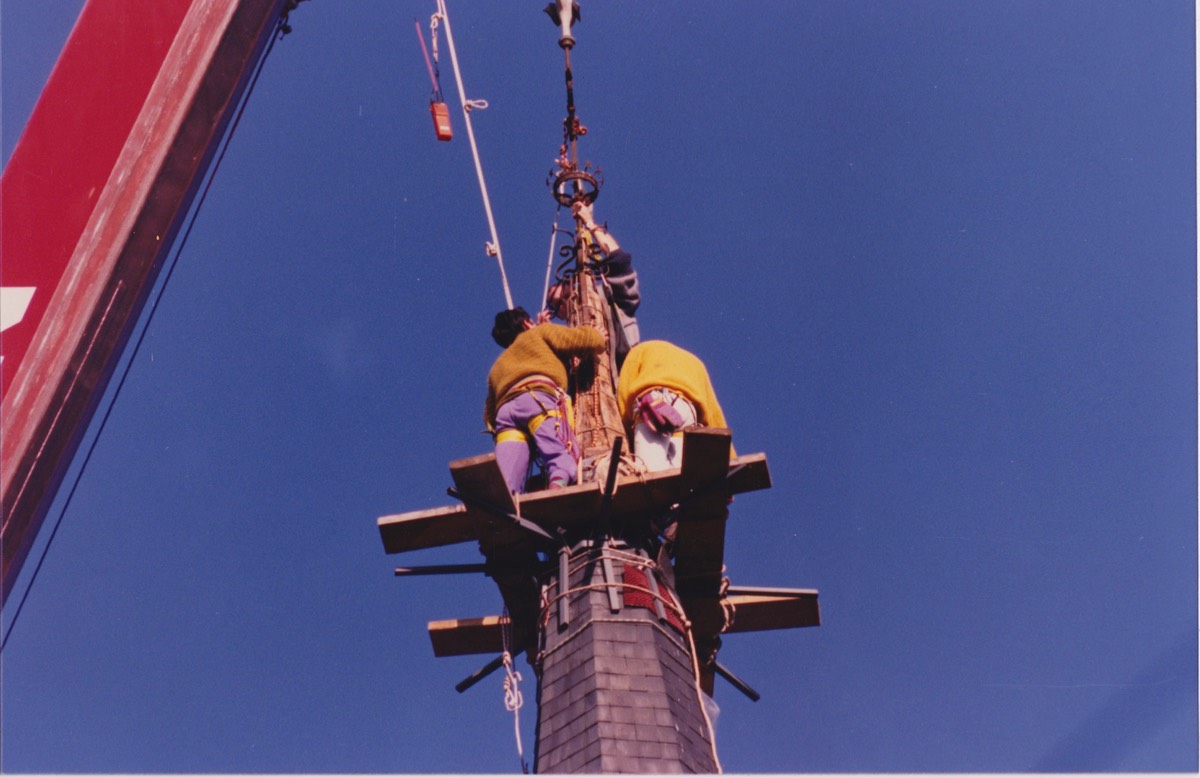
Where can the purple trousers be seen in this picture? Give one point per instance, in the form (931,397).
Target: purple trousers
(538,417)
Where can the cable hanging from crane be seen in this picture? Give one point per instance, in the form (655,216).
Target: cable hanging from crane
(492,248)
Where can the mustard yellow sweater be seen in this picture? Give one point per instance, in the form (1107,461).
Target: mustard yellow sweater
(654,363)
(542,350)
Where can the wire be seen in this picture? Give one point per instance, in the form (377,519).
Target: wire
(280,30)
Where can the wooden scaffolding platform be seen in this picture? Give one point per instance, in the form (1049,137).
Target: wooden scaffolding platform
(519,534)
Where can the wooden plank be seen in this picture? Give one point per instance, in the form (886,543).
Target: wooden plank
(705,454)
(502,541)
(707,617)
(751,474)
(755,611)
(427,529)
(651,494)
(700,536)
(457,637)
(479,477)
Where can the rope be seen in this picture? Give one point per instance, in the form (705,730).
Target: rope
(712,732)
(626,558)
(728,609)
(600,587)
(513,699)
(492,248)
(281,29)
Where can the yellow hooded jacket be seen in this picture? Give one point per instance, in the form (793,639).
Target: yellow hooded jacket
(654,363)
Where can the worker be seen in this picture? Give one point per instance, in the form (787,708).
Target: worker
(661,391)
(528,410)
(620,283)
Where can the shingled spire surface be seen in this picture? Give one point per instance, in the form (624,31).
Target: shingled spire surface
(618,690)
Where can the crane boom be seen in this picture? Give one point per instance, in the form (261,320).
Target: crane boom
(92,198)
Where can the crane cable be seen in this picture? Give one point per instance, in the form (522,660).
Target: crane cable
(492,248)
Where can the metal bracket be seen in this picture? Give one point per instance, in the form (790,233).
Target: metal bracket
(482,673)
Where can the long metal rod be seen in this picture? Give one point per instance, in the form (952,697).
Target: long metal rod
(481,673)
(610,577)
(564,574)
(572,137)
(610,487)
(738,683)
(652,585)
(478,567)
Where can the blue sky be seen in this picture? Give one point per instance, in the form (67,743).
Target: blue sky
(939,256)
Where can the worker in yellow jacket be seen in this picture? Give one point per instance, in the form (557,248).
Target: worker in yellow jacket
(661,391)
(528,409)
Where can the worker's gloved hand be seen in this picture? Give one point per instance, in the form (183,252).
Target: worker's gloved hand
(657,415)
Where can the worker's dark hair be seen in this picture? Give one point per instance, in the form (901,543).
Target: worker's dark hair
(509,324)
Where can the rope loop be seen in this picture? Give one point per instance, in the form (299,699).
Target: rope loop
(513,699)
(728,609)
(471,105)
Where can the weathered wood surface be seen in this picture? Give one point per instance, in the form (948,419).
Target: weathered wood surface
(700,536)
(455,637)
(759,609)
(571,507)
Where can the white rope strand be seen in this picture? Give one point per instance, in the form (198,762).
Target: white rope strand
(513,699)
(467,105)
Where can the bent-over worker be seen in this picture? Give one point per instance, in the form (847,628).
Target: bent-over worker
(618,279)
(661,391)
(527,403)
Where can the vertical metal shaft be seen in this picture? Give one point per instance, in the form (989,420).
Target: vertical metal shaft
(564,573)
(610,577)
(572,136)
